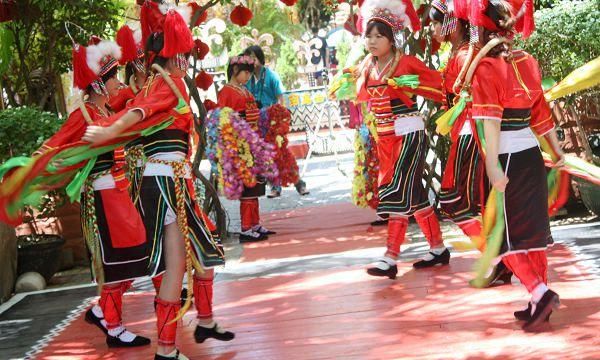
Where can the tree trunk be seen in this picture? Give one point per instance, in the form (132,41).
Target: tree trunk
(8,261)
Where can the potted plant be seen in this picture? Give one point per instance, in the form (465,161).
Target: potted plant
(22,131)
(39,245)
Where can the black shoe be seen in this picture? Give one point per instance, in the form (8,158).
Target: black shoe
(301,188)
(380,222)
(391,272)
(525,315)
(94,320)
(162,357)
(114,341)
(547,303)
(263,230)
(251,236)
(443,258)
(203,333)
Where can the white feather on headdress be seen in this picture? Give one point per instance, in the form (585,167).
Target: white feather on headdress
(95,53)
(395,7)
(137,36)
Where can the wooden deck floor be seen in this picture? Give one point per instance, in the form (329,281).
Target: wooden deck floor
(342,313)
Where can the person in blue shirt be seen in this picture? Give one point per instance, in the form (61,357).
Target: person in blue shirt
(268,90)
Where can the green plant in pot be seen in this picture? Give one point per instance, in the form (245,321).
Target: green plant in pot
(22,131)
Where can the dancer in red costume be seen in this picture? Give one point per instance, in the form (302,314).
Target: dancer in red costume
(234,95)
(402,142)
(464,184)
(112,226)
(508,99)
(180,233)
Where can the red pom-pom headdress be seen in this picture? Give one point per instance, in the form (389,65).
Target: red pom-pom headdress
(93,62)
(177,36)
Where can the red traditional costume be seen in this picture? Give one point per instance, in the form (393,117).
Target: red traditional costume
(113,228)
(162,186)
(463,187)
(509,91)
(402,142)
(242,101)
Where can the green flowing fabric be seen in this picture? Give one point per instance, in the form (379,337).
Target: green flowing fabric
(411,81)
(74,188)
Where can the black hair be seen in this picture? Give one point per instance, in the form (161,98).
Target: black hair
(238,68)
(256,51)
(499,12)
(436,15)
(110,74)
(382,28)
(129,71)
(154,46)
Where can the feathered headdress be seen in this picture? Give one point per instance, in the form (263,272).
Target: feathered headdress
(92,62)
(397,14)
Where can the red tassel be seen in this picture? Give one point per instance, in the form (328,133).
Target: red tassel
(525,24)
(210,105)
(241,15)
(200,49)
(151,20)
(195,8)
(289,2)
(204,80)
(478,17)
(461,9)
(415,21)
(82,74)
(178,37)
(127,43)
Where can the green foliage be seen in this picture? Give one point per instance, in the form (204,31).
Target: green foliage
(6,41)
(287,64)
(23,130)
(566,36)
(343,50)
(268,18)
(42,49)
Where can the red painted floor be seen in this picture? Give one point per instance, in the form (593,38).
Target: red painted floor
(316,230)
(345,314)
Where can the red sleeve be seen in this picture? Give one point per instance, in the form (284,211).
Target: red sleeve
(71,131)
(118,102)
(541,114)
(430,81)
(487,92)
(160,97)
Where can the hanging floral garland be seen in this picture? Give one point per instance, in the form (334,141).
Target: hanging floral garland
(366,169)
(237,154)
(274,126)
